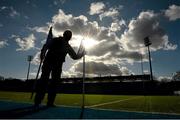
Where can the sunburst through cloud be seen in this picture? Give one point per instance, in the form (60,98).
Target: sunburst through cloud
(112,34)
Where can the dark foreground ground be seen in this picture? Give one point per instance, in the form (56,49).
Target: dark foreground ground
(10,109)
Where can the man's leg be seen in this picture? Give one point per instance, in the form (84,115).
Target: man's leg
(42,84)
(56,74)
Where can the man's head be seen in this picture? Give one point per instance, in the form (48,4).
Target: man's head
(67,35)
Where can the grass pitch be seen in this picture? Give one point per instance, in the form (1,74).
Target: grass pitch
(160,104)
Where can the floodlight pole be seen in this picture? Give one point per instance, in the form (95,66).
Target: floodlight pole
(147,44)
(142,64)
(29,59)
(150,63)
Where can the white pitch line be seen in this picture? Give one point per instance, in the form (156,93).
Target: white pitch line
(107,103)
(113,110)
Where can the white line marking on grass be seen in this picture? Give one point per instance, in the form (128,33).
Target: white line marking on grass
(114,110)
(68,106)
(112,102)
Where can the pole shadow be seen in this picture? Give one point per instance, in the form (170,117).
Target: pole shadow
(21,112)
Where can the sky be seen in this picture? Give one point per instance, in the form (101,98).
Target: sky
(112,31)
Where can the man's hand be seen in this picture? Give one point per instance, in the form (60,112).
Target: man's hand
(82,53)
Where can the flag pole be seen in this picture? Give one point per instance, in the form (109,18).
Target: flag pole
(35,82)
(48,40)
(83,82)
(83,88)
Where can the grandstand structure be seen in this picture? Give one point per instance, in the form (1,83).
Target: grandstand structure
(120,85)
(128,78)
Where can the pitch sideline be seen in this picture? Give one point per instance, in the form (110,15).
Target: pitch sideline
(112,102)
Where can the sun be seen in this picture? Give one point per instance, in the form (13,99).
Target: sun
(89,42)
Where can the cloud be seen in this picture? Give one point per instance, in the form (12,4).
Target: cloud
(25,43)
(111,48)
(108,48)
(80,25)
(1,25)
(164,78)
(62,1)
(125,71)
(112,12)
(13,12)
(26,17)
(117,25)
(27,2)
(103,47)
(173,12)
(96,8)
(56,2)
(36,58)
(100,9)
(3,8)
(70,74)
(43,29)
(146,24)
(10,10)
(98,68)
(3,43)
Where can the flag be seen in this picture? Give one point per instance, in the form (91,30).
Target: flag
(81,49)
(49,37)
(47,44)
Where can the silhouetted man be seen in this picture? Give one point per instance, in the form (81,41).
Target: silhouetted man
(56,49)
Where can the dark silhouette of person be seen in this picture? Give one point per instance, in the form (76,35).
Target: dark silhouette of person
(53,54)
